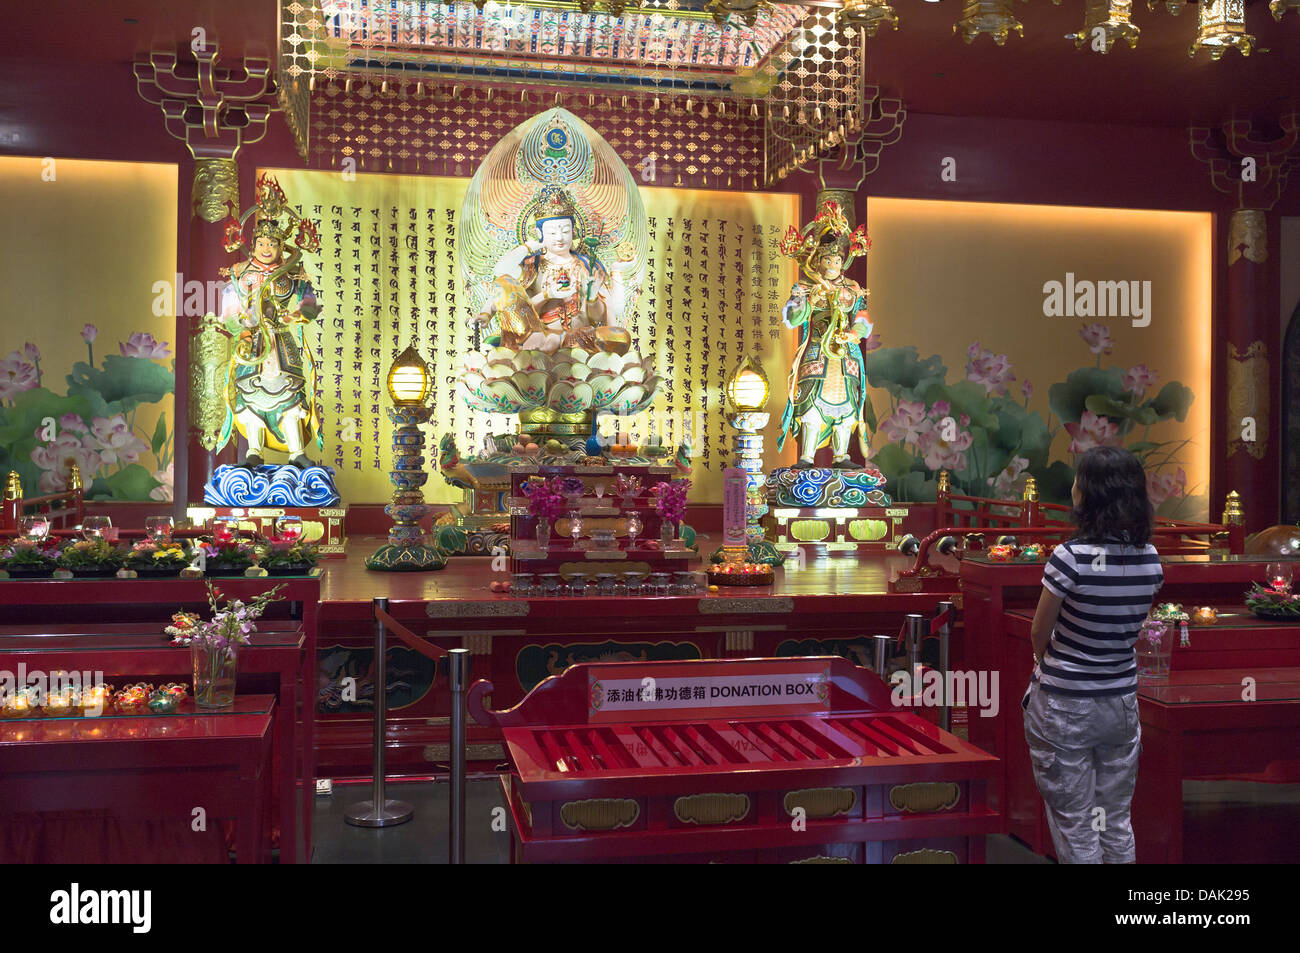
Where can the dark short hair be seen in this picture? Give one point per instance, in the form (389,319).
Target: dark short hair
(1115,505)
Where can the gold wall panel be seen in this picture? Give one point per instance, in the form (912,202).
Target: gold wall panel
(386,276)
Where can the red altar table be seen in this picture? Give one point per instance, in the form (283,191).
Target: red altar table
(82,628)
(146,767)
(1197,725)
(791,760)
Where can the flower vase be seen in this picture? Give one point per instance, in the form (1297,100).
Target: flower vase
(1153,648)
(543,533)
(215,668)
(667,534)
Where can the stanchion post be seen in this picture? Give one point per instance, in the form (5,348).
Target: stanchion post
(915,633)
(880,644)
(945,631)
(458,664)
(379,811)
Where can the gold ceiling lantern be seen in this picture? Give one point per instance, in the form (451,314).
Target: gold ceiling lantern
(867,15)
(1222,26)
(1279,7)
(1106,22)
(1174,7)
(993,17)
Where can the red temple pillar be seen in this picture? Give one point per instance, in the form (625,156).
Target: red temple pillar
(214,111)
(1246,361)
(1251,370)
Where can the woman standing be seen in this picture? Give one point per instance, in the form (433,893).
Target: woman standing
(1081,712)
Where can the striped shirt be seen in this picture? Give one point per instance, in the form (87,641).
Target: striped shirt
(1106,590)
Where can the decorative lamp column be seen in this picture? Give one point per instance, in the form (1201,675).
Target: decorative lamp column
(406,550)
(747,390)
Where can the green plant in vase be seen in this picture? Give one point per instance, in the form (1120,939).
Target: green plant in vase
(92,557)
(228,557)
(287,557)
(151,557)
(1273,602)
(29,558)
(215,644)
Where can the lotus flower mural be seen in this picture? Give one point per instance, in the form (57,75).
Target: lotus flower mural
(570,381)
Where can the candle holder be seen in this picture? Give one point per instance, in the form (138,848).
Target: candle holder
(406,549)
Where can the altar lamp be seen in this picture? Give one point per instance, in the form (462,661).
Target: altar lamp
(747,389)
(408,388)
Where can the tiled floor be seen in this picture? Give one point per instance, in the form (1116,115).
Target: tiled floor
(1225,822)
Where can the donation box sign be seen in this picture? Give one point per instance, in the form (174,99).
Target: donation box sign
(632,693)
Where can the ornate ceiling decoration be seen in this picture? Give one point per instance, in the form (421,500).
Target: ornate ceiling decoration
(723,93)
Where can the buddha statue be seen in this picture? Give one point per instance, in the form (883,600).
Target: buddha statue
(552,293)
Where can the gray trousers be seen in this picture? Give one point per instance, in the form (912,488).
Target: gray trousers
(1085,757)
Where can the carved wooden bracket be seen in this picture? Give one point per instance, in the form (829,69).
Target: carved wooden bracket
(1253,170)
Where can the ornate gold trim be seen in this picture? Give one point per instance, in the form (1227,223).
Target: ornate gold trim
(209,362)
(770,605)
(924,797)
(215,192)
(1248,397)
(1248,236)
(926,855)
(476,610)
(823,859)
(483,752)
(600,814)
(711,809)
(821,802)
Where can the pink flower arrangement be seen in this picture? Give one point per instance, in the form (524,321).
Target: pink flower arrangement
(626,487)
(991,370)
(545,497)
(907,423)
(1098,338)
(943,454)
(1138,379)
(670,499)
(1092,431)
(1161,486)
(16,375)
(145,345)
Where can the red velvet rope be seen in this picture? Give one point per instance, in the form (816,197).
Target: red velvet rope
(423,646)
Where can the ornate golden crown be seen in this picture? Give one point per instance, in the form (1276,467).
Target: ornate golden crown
(555,204)
(272,218)
(828,233)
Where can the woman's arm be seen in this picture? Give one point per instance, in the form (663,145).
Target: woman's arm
(1040,633)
